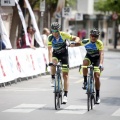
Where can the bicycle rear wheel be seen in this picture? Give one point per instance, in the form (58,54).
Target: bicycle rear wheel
(92,100)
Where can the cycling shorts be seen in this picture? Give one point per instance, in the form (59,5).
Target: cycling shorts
(63,57)
(95,61)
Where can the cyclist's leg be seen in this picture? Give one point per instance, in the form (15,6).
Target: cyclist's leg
(65,71)
(97,80)
(86,62)
(53,69)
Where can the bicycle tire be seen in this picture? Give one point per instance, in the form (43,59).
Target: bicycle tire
(88,94)
(55,95)
(88,102)
(57,101)
(58,95)
(61,89)
(92,100)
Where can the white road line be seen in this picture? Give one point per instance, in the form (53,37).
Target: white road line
(25,108)
(74,109)
(104,78)
(79,81)
(25,89)
(116,113)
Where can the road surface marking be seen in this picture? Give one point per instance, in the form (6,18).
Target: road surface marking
(79,81)
(104,78)
(26,89)
(25,108)
(116,113)
(74,109)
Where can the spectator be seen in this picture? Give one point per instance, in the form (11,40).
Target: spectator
(19,42)
(79,33)
(83,33)
(44,36)
(2,44)
(102,35)
(30,34)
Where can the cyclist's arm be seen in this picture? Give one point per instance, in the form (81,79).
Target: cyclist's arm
(101,56)
(76,39)
(50,53)
(101,51)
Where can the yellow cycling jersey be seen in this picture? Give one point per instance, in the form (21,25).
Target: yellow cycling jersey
(57,44)
(92,48)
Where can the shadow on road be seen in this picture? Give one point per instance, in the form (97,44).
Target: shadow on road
(114,101)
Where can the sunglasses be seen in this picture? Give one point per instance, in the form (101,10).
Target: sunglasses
(96,36)
(54,31)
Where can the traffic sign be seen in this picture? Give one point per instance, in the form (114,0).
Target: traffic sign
(79,16)
(42,5)
(66,12)
(7,2)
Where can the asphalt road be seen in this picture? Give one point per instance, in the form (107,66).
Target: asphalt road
(33,99)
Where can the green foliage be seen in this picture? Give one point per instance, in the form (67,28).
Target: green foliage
(107,6)
(35,4)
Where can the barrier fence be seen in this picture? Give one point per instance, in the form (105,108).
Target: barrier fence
(23,63)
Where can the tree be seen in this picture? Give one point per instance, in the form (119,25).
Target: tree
(107,6)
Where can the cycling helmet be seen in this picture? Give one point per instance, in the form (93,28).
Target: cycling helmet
(95,32)
(55,26)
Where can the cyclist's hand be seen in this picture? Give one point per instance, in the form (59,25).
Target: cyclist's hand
(50,64)
(72,45)
(101,67)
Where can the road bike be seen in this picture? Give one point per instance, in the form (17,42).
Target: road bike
(90,89)
(58,85)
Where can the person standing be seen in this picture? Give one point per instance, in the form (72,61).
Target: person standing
(30,34)
(79,33)
(83,33)
(44,36)
(102,35)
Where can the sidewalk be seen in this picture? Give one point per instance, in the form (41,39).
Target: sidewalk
(111,48)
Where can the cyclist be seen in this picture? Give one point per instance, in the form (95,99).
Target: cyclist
(57,50)
(95,56)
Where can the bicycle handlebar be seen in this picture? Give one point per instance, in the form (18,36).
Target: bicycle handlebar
(53,64)
(58,65)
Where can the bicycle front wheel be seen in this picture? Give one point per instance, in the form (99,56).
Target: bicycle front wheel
(57,94)
(57,100)
(88,94)
(88,102)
